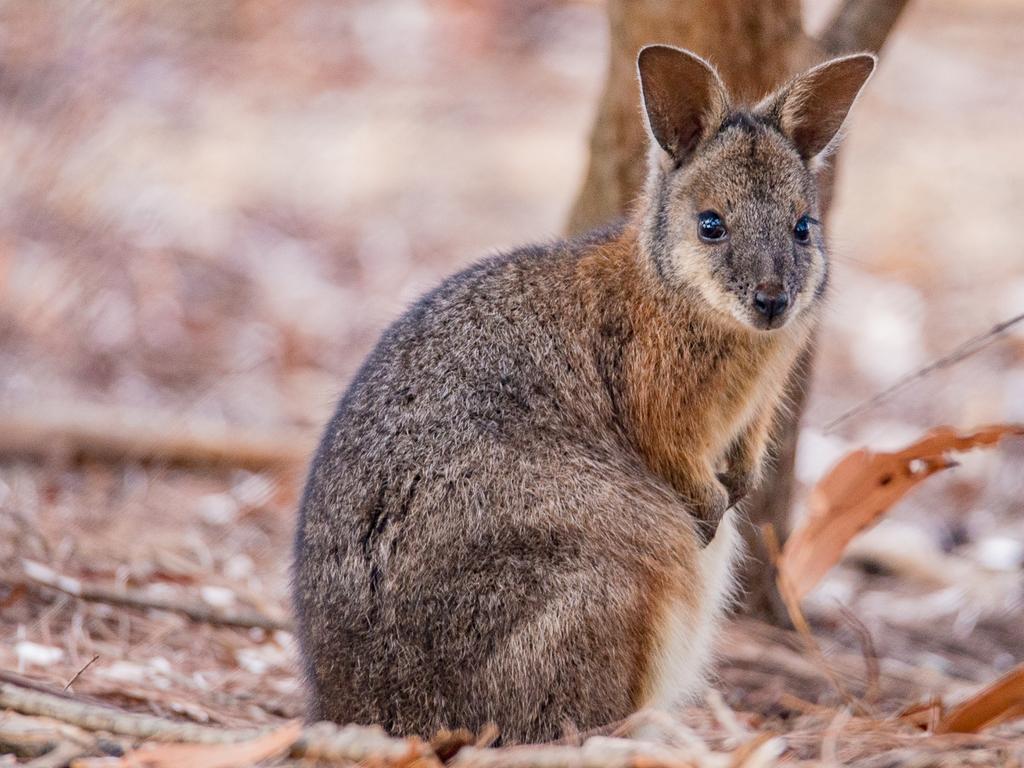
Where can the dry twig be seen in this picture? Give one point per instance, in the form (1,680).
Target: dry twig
(962,352)
(78,674)
(868,651)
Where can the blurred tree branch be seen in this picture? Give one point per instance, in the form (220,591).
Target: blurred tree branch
(861,25)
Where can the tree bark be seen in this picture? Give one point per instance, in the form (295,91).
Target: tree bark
(756,46)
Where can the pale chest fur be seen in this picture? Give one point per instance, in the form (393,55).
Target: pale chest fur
(686,627)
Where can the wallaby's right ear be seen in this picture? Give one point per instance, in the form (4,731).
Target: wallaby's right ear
(684,97)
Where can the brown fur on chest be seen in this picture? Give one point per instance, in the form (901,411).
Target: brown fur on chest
(683,381)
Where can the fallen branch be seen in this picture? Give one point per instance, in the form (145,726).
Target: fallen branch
(28,737)
(39,575)
(960,353)
(242,754)
(372,746)
(98,717)
(87,431)
(322,741)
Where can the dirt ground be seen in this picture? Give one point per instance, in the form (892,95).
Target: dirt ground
(208,212)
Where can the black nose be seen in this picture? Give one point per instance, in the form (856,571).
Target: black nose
(771,301)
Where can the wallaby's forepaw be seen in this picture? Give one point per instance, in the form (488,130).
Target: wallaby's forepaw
(738,484)
(708,512)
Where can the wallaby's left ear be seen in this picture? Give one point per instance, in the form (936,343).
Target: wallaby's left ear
(811,108)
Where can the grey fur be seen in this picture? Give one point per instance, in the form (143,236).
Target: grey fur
(504,520)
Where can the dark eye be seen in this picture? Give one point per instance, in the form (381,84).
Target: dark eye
(711,227)
(802,230)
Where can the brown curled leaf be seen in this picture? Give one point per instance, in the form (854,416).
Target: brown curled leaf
(862,487)
(1001,701)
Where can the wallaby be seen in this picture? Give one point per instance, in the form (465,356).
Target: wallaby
(518,513)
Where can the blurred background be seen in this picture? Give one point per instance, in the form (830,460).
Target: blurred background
(209,211)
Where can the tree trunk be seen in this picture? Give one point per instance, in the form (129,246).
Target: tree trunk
(756,46)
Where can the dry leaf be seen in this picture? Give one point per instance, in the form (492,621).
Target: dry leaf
(1002,700)
(236,755)
(859,490)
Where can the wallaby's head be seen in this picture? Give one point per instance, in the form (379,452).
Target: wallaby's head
(733,217)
